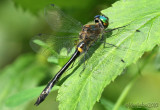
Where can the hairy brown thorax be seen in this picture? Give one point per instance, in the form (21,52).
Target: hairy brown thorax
(89,34)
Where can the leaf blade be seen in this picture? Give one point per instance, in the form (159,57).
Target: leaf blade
(103,67)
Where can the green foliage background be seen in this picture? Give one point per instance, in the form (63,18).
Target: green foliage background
(22,71)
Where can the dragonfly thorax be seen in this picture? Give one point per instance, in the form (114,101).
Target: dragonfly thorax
(89,34)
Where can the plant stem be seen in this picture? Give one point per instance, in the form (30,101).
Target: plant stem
(125,92)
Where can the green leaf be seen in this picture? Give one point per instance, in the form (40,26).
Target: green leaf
(46,47)
(25,96)
(52,59)
(81,93)
(25,73)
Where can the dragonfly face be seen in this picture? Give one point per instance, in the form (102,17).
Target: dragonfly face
(101,20)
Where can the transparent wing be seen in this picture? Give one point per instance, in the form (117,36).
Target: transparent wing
(61,22)
(48,44)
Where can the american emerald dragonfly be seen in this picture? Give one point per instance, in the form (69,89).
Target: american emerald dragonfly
(82,37)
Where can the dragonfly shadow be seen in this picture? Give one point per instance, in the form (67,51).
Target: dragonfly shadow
(85,57)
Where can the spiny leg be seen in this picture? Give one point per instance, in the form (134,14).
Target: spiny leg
(102,39)
(104,42)
(116,28)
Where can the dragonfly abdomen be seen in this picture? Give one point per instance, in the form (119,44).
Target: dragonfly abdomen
(50,85)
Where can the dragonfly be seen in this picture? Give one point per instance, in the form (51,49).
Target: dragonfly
(88,35)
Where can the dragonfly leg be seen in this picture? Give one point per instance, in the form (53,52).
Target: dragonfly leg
(116,28)
(103,40)
(104,43)
(111,45)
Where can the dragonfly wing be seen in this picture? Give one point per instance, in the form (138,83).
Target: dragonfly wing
(48,44)
(61,22)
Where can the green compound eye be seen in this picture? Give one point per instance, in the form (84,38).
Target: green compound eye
(103,19)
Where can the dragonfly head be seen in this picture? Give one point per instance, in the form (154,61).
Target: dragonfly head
(101,19)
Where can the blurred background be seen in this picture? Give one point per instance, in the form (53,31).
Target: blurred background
(21,68)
